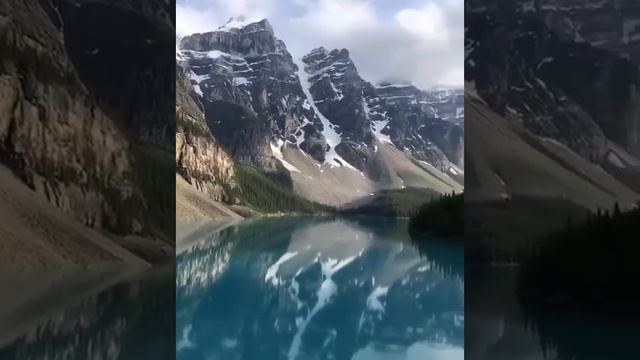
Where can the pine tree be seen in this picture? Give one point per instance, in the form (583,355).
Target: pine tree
(616,210)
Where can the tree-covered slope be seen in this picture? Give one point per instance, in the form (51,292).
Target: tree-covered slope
(592,264)
(443,218)
(257,190)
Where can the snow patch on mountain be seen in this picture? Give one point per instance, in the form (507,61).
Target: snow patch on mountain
(276,150)
(455,170)
(331,136)
(239,81)
(213,54)
(376,126)
(385,86)
(198,79)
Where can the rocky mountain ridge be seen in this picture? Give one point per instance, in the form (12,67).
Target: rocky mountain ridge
(264,106)
(557,86)
(54,136)
(199,158)
(562,97)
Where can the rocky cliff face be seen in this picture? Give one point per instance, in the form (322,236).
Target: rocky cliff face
(125,67)
(560,69)
(199,157)
(336,89)
(429,125)
(613,25)
(247,77)
(360,113)
(258,98)
(54,136)
(80,118)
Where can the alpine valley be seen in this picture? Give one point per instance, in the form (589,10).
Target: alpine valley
(261,129)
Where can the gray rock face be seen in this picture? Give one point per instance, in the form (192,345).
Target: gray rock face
(79,117)
(560,68)
(254,39)
(429,125)
(125,67)
(53,134)
(401,114)
(613,25)
(199,157)
(256,97)
(250,92)
(337,90)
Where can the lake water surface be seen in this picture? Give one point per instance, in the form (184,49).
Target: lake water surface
(319,288)
(88,314)
(499,328)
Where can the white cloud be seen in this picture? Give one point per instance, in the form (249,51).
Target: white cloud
(207,15)
(452,77)
(256,9)
(428,24)
(335,17)
(190,20)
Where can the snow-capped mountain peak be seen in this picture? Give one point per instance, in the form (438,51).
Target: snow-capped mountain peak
(238,23)
(275,112)
(235,23)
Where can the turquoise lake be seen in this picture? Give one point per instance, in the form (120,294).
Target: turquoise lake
(319,288)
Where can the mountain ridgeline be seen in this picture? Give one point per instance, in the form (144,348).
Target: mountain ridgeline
(329,136)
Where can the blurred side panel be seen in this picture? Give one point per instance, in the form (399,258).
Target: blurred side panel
(553,168)
(87,201)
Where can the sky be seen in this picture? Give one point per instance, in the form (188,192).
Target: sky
(420,41)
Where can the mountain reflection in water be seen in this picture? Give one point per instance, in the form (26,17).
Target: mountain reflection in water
(91,314)
(321,288)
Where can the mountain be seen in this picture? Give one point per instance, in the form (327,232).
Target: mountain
(136,90)
(551,91)
(83,129)
(201,163)
(429,125)
(50,121)
(611,25)
(505,160)
(334,136)
(199,157)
